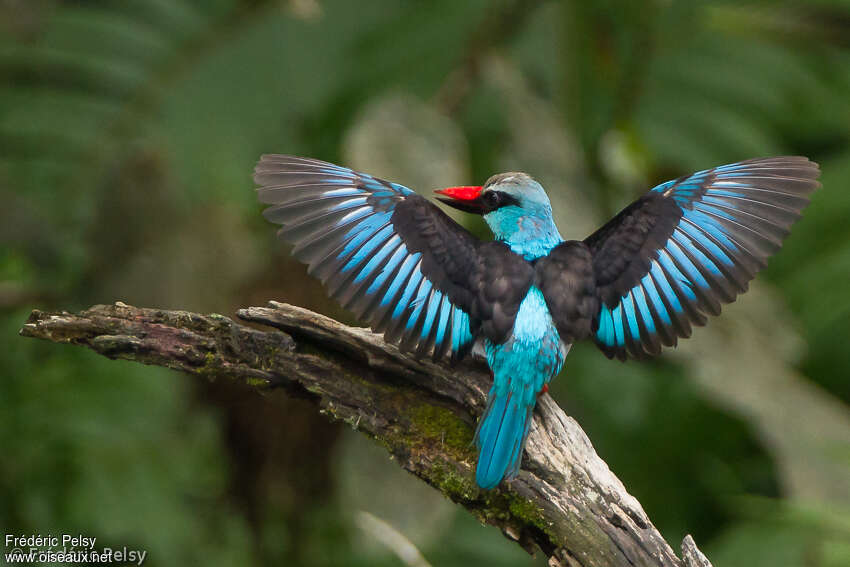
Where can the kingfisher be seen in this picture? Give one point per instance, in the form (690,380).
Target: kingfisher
(642,281)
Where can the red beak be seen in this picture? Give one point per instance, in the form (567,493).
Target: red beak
(462,193)
(466,198)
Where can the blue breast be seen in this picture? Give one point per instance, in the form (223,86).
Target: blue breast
(528,233)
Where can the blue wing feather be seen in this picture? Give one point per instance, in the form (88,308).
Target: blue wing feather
(728,220)
(341,223)
(643,307)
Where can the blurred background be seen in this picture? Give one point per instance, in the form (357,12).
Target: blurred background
(128,133)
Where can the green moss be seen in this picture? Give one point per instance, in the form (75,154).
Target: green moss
(440,424)
(211,367)
(501,507)
(269,353)
(453,484)
(528,513)
(524,510)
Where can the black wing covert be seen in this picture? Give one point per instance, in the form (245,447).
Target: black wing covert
(392,257)
(689,245)
(566,280)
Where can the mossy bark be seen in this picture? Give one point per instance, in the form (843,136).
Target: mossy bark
(565,500)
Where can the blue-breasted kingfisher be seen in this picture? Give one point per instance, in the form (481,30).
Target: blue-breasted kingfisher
(640,282)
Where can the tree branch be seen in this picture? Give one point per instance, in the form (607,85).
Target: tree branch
(565,500)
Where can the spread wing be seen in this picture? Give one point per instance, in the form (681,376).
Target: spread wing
(392,257)
(689,245)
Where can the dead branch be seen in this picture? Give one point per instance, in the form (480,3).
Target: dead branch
(565,500)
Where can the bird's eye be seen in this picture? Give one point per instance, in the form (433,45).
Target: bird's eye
(492,200)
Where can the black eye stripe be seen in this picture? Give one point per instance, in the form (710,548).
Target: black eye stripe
(497,199)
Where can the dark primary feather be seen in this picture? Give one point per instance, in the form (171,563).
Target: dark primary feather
(392,257)
(690,245)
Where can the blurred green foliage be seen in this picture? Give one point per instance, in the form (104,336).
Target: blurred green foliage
(128,131)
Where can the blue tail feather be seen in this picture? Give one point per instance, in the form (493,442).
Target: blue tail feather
(500,437)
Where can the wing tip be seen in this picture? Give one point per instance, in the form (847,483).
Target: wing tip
(282,162)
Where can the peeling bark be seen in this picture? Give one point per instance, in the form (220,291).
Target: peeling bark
(565,500)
